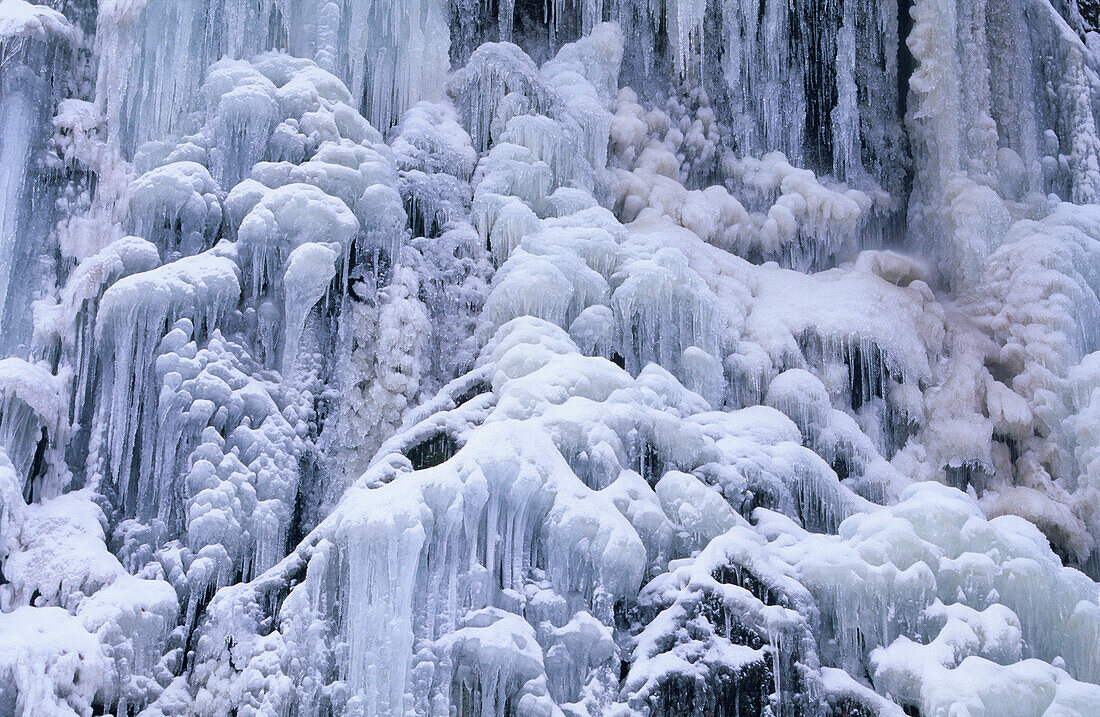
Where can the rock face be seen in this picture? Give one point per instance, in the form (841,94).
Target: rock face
(550,357)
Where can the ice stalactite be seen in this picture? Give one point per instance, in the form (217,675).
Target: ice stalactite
(181,198)
(388,56)
(36,47)
(291,244)
(405,49)
(33,425)
(996,136)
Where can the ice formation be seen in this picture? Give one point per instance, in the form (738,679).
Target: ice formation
(550,357)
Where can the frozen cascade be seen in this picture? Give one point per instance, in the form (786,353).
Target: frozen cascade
(35,47)
(550,357)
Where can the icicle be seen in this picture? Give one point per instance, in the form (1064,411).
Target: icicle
(398,54)
(132,316)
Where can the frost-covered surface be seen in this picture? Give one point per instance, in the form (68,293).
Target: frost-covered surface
(580,357)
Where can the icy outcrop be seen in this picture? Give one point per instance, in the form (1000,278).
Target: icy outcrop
(586,357)
(935,545)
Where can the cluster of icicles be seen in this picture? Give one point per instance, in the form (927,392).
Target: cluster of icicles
(365,386)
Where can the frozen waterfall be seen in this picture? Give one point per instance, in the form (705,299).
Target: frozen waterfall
(550,358)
